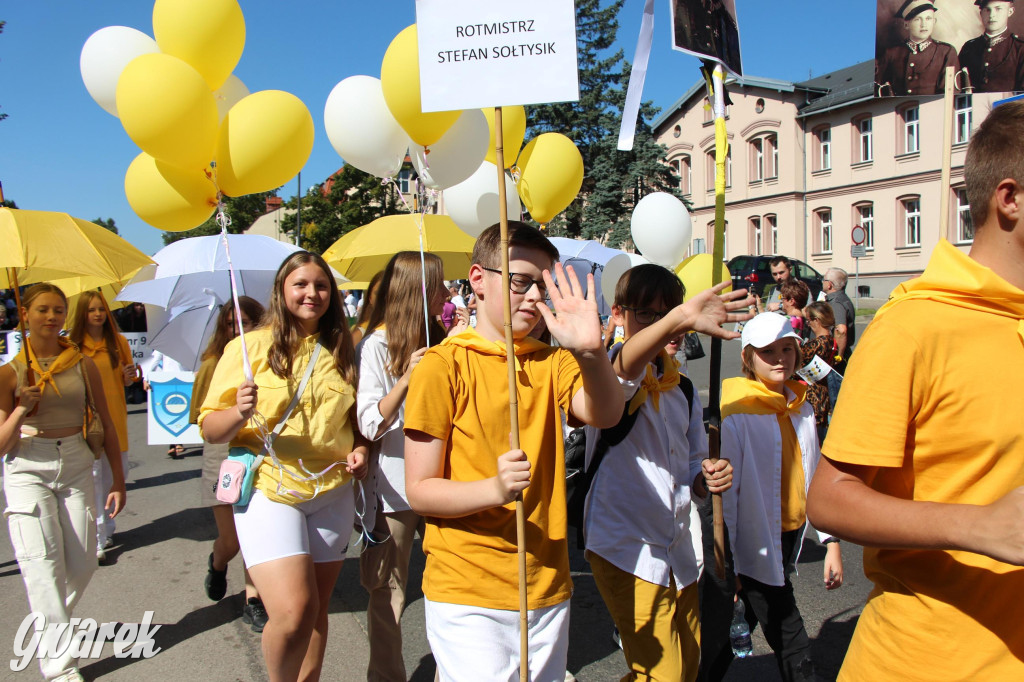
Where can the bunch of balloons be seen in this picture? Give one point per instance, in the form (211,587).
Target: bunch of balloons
(373,123)
(200,130)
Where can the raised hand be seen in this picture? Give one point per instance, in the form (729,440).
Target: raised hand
(246,399)
(575,321)
(707,311)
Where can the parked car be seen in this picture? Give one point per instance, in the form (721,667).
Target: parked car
(755,274)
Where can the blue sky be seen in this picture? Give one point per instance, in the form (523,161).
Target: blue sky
(60,151)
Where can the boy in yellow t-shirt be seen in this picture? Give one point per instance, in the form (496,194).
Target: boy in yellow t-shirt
(924,460)
(462,476)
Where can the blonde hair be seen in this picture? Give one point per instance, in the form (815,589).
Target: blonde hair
(399,306)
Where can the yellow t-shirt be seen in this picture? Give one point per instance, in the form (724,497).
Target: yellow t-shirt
(113,381)
(319,430)
(459,395)
(933,397)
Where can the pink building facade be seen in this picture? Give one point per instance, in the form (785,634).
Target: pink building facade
(809,161)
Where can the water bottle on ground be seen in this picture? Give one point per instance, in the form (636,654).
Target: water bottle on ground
(739,632)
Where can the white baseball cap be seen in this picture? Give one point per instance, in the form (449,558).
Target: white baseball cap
(765,329)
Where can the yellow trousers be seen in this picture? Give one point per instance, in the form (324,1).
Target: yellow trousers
(659,626)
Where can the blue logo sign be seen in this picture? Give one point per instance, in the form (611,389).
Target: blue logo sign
(169,403)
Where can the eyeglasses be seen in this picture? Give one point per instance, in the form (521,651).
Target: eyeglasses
(646,316)
(520,284)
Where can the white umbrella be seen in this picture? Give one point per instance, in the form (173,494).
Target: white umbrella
(586,256)
(188,271)
(185,335)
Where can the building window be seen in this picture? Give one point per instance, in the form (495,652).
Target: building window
(404,176)
(772,226)
(710,164)
(823,218)
(709,111)
(911,209)
(962,105)
(866,218)
(756,160)
(756,241)
(677,131)
(685,174)
(862,140)
(772,141)
(964,226)
(699,246)
(823,140)
(911,129)
(759,105)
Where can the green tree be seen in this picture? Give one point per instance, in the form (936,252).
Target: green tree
(108,223)
(352,199)
(613,180)
(243,212)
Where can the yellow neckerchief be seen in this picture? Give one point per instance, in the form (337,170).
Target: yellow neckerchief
(954,278)
(472,339)
(67,359)
(749,396)
(654,386)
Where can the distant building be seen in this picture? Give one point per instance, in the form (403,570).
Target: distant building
(809,161)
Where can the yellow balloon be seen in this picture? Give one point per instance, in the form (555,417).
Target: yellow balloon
(166,108)
(264,140)
(168,197)
(400,81)
(207,34)
(513,130)
(551,174)
(695,274)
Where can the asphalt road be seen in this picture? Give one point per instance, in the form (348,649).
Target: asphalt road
(159,562)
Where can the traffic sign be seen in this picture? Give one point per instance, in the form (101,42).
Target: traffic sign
(858,235)
(858,251)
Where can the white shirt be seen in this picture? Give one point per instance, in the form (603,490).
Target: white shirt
(375,382)
(458,301)
(753,506)
(638,512)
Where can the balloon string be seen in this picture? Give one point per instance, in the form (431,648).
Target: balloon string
(429,201)
(223,219)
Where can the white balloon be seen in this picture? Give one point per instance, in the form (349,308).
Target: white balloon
(361,128)
(457,155)
(229,94)
(614,269)
(104,56)
(473,203)
(661,229)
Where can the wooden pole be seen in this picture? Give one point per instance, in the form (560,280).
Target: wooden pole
(718,252)
(947,151)
(513,400)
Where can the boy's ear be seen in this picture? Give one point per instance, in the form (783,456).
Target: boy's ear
(618,316)
(476,280)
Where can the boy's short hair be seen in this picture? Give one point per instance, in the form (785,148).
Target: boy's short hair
(796,290)
(996,152)
(777,260)
(641,285)
(487,250)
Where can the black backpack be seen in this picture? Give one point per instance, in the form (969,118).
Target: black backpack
(578,478)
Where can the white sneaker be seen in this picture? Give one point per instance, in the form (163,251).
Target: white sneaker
(71,676)
(101,555)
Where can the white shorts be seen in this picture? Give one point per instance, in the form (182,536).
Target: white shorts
(321,527)
(472,643)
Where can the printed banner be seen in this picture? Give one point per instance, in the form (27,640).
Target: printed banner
(915,40)
(490,53)
(170,399)
(10,346)
(708,29)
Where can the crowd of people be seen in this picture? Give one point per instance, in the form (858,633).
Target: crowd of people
(413,421)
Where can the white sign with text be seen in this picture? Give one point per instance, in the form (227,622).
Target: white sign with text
(10,346)
(486,53)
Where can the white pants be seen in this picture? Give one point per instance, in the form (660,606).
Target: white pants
(320,527)
(102,480)
(52,523)
(471,643)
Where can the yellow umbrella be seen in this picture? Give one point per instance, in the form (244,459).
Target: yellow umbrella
(364,251)
(73,287)
(45,246)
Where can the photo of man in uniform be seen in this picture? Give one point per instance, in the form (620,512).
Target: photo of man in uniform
(707,28)
(995,59)
(918,65)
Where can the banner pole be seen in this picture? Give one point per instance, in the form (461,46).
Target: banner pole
(718,253)
(947,151)
(513,401)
